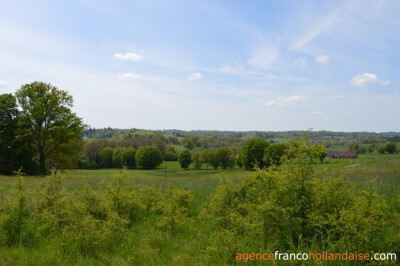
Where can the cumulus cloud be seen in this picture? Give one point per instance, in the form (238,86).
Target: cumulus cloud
(133,57)
(322,59)
(129,76)
(285,101)
(367,79)
(195,76)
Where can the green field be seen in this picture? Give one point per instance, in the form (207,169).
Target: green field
(153,236)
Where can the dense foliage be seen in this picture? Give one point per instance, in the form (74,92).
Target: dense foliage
(38,130)
(253,153)
(148,157)
(48,120)
(15,149)
(185,159)
(294,208)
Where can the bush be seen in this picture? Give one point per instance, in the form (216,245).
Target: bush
(292,208)
(148,157)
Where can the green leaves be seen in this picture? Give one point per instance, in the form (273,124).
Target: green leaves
(253,153)
(185,159)
(148,157)
(50,124)
(293,207)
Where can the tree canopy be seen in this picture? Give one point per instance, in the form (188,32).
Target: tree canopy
(47,119)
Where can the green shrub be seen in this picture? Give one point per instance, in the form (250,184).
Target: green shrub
(17,219)
(293,207)
(175,211)
(148,157)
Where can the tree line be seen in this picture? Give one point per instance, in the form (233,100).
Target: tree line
(38,131)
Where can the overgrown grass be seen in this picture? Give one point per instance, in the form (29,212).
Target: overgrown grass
(152,199)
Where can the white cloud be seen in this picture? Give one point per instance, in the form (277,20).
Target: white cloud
(337,96)
(317,113)
(264,55)
(285,101)
(322,59)
(367,79)
(133,57)
(129,76)
(301,62)
(195,76)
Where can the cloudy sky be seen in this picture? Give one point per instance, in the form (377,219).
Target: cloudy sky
(205,64)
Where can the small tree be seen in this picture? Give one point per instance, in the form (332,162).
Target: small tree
(148,157)
(273,154)
(196,159)
(391,147)
(212,158)
(224,158)
(204,157)
(171,154)
(129,158)
(185,159)
(253,153)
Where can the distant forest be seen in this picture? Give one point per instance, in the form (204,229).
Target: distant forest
(318,136)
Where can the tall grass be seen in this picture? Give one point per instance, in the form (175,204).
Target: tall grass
(146,217)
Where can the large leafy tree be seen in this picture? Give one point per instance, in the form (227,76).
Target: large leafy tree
(47,118)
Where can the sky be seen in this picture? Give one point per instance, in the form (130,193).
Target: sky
(211,64)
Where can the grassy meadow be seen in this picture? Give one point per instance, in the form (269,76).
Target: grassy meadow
(160,217)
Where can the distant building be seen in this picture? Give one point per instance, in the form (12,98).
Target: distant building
(341,155)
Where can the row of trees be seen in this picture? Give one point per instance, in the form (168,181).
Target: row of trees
(389,147)
(254,153)
(223,157)
(146,157)
(38,130)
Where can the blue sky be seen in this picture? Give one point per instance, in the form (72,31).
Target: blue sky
(224,65)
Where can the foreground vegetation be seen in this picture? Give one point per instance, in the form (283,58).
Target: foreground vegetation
(170,216)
